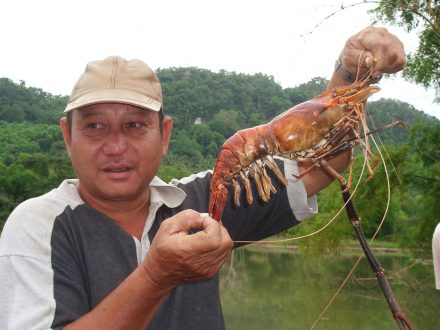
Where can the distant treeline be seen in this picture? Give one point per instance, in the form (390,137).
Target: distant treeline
(207,108)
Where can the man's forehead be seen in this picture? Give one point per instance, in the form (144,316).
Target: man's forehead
(111,109)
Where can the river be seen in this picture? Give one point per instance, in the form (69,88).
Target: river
(263,288)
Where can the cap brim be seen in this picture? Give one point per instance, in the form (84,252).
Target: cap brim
(114,96)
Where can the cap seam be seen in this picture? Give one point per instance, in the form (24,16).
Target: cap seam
(113,74)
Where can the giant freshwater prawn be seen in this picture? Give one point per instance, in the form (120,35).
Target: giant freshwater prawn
(316,130)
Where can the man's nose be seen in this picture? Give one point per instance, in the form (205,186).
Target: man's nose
(116,144)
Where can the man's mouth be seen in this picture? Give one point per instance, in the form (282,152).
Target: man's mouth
(117,169)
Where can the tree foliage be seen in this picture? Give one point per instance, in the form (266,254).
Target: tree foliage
(192,93)
(423,66)
(423,179)
(19,103)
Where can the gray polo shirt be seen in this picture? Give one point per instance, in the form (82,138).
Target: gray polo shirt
(59,257)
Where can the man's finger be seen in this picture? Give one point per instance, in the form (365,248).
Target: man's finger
(210,226)
(184,221)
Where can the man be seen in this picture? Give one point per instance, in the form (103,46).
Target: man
(118,248)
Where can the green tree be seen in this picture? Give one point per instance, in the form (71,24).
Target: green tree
(306,91)
(209,140)
(19,103)
(226,122)
(423,178)
(182,145)
(423,66)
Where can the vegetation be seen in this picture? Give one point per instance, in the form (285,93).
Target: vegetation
(19,103)
(424,65)
(209,107)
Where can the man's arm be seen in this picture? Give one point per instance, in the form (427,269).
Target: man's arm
(175,256)
(380,48)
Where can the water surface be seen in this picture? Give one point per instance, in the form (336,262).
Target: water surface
(264,289)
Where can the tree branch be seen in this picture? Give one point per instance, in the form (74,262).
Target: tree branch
(342,7)
(414,10)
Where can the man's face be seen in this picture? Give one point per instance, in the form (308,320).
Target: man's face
(116,149)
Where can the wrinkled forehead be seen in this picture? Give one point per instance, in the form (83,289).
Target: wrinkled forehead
(112,110)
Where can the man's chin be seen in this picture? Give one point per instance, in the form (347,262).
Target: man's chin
(121,190)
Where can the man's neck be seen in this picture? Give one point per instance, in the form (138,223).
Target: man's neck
(129,214)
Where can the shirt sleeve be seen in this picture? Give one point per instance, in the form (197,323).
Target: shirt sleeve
(26,275)
(436,255)
(24,303)
(302,206)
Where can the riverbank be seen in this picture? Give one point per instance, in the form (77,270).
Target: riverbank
(347,247)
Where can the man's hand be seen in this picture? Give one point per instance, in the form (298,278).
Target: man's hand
(377,47)
(187,246)
(381,49)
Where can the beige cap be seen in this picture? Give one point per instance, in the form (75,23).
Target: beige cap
(116,80)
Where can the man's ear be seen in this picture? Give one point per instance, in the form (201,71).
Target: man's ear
(66,133)
(167,126)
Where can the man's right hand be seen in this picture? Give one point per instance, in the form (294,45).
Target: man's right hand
(187,247)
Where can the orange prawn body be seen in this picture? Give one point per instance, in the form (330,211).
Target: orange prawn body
(296,133)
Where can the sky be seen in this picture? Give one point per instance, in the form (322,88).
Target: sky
(47,43)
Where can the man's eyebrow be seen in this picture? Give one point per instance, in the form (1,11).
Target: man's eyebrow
(88,114)
(129,111)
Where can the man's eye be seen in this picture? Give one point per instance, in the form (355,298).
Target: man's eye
(134,124)
(95,125)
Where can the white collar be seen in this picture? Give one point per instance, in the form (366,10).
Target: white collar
(160,191)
